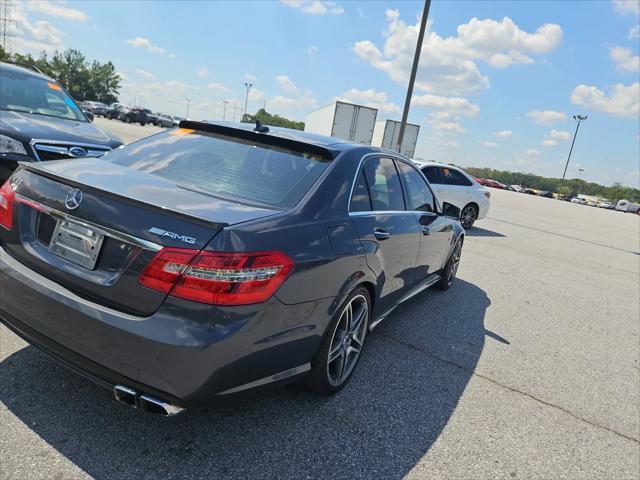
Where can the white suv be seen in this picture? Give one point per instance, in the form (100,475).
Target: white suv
(455,186)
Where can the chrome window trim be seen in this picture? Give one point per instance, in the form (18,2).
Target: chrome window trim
(109,232)
(391,212)
(32,143)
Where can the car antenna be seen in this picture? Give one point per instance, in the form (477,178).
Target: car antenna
(261,128)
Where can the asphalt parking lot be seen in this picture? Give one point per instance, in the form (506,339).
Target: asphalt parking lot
(528,367)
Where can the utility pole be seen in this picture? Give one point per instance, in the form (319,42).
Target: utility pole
(580,170)
(235,110)
(224,112)
(186,117)
(579,119)
(414,70)
(246,99)
(6,24)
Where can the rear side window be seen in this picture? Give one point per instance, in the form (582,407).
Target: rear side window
(454,177)
(418,192)
(225,166)
(383,184)
(434,175)
(360,200)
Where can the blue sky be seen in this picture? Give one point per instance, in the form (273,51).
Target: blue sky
(498,83)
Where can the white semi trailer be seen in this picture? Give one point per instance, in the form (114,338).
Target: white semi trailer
(387,132)
(343,120)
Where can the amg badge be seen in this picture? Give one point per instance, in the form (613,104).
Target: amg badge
(175,236)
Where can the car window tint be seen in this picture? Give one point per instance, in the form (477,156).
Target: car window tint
(224,166)
(360,200)
(419,193)
(433,175)
(384,184)
(454,177)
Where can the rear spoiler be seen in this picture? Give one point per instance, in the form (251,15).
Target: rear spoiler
(262,138)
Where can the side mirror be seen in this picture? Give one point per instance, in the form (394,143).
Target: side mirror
(450,210)
(88,114)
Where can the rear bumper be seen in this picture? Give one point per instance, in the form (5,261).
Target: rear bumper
(187,354)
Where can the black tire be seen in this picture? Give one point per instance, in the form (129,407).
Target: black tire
(448,273)
(468,216)
(324,377)
(127,120)
(142,124)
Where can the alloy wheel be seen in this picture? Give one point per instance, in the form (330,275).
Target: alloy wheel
(455,262)
(347,341)
(468,216)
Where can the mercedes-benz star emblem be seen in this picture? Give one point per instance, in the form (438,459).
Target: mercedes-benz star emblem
(77,152)
(73,199)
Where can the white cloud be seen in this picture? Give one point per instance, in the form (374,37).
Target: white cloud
(444,142)
(546,117)
(634,32)
(503,133)
(549,143)
(203,72)
(289,104)
(371,98)
(532,152)
(250,78)
(33,37)
(140,42)
(625,59)
(487,144)
(449,127)
(312,50)
(448,65)
(256,95)
(56,9)
(559,135)
(622,101)
(314,7)
(627,6)
(218,87)
(286,84)
(144,74)
(452,106)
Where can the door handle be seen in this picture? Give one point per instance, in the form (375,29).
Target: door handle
(425,230)
(381,234)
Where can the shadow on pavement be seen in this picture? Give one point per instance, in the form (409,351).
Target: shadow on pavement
(415,368)
(482,232)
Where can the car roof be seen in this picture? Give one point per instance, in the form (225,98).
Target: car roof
(299,136)
(15,68)
(423,163)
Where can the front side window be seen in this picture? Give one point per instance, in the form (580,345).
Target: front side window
(418,192)
(225,166)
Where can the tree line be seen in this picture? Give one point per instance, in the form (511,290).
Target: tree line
(572,187)
(274,120)
(83,79)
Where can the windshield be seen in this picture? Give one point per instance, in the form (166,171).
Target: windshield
(225,166)
(26,93)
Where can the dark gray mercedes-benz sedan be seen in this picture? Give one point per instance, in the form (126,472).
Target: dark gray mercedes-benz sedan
(217,258)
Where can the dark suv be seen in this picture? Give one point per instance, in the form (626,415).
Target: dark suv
(40,121)
(139,115)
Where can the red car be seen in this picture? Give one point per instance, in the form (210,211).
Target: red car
(487,182)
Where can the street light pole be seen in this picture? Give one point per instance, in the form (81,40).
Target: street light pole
(580,170)
(579,119)
(187,114)
(246,99)
(224,112)
(412,78)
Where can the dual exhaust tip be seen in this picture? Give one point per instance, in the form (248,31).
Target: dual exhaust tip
(145,403)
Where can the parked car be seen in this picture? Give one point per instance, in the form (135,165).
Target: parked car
(529,191)
(457,187)
(545,194)
(114,110)
(627,206)
(40,121)
(180,280)
(580,201)
(165,120)
(97,108)
(137,115)
(177,120)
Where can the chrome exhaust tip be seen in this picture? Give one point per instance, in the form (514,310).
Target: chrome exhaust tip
(145,403)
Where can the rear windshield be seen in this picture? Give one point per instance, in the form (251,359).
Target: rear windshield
(224,166)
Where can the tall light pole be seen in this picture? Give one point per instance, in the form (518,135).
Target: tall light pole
(188,103)
(579,119)
(580,170)
(414,69)
(224,112)
(246,99)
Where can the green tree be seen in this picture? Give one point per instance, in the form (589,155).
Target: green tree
(274,120)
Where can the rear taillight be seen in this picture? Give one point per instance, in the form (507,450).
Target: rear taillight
(7,200)
(217,278)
